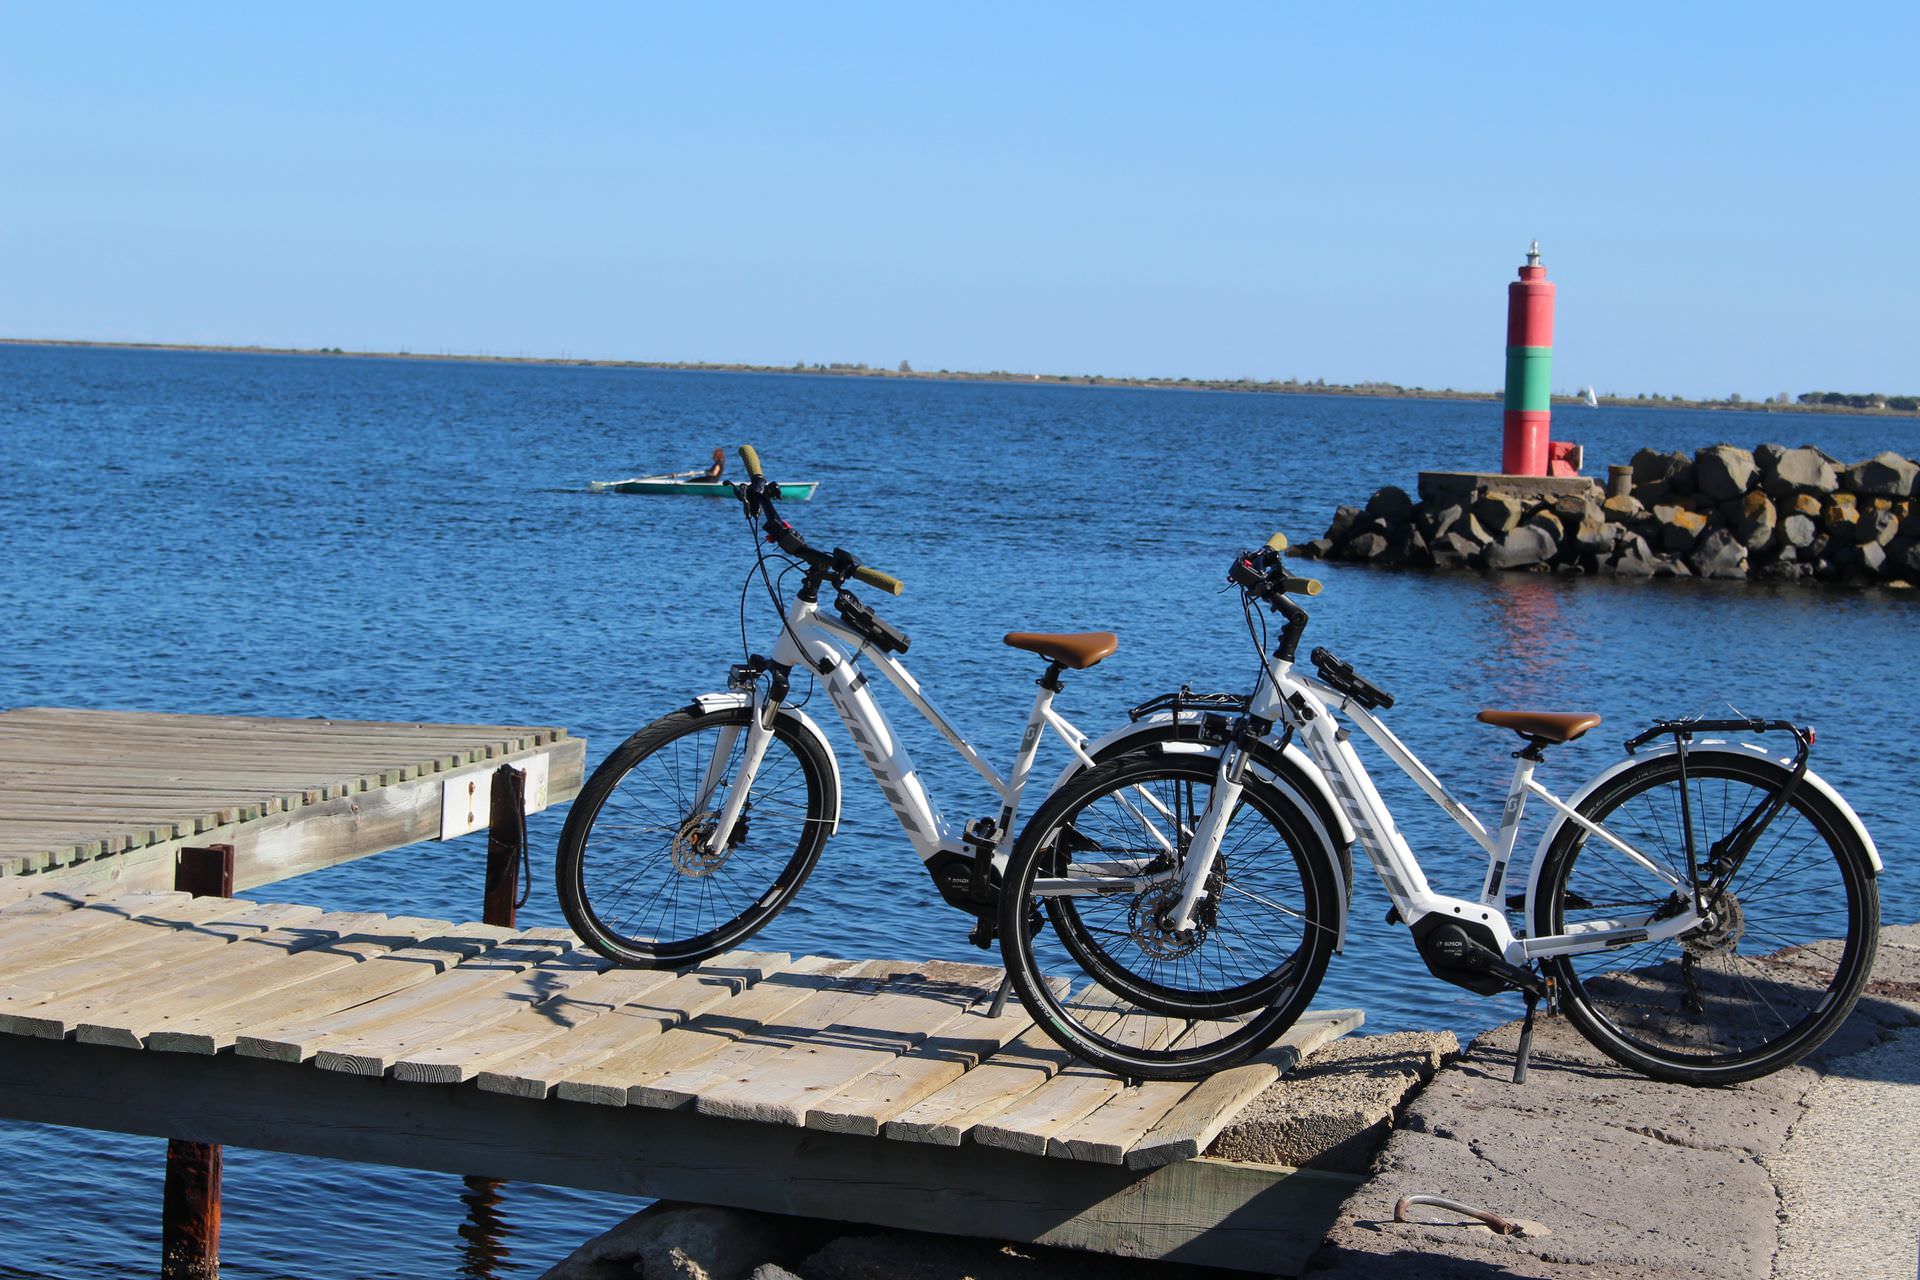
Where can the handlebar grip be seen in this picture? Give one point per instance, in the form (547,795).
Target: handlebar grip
(874,578)
(750,458)
(1300,586)
(1278,542)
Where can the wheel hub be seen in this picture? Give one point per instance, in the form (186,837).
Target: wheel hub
(693,851)
(1720,929)
(1150,920)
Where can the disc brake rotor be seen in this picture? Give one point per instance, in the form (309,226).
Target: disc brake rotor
(693,851)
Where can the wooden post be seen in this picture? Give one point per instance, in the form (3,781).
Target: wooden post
(506,850)
(190,1202)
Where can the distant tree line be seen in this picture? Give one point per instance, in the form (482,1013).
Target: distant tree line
(1873,400)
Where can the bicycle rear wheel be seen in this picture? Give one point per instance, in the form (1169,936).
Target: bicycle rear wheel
(637,879)
(1084,898)
(1785,950)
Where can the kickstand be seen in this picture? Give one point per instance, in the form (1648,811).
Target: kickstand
(1525,1051)
(999,1005)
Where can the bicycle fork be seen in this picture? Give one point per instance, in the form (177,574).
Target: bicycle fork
(765,708)
(1197,869)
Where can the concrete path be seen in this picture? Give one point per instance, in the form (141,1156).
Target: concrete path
(1807,1172)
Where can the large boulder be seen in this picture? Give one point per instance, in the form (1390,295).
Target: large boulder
(1802,470)
(1451,550)
(668,1241)
(1435,523)
(1391,504)
(1884,474)
(1658,475)
(1718,554)
(1877,528)
(1679,528)
(1798,531)
(1529,545)
(1367,547)
(1635,559)
(1757,523)
(1722,472)
(1341,527)
(1498,513)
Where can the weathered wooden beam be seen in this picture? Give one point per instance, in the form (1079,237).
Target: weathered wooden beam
(1203,1211)
(348,825)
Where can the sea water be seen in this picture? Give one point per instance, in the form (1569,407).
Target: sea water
(415,540)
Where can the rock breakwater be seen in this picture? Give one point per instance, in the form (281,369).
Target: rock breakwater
(1770,514)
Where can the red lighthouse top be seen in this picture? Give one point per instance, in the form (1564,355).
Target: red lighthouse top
(1530,305)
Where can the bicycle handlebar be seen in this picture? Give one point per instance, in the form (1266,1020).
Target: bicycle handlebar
(838,565)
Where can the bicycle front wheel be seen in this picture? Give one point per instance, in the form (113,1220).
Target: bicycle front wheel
(637,875)
(1783,953)
(1084,932)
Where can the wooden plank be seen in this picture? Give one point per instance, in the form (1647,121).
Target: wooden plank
(375,1049)
(27,929)
(297,1038)
(887,1093)
(1108,1134)
(685,997)
(85,935)
(1187,1128)
(611,1082)
(74,989)
(1205,1212)
(216,981)
(766,1044)
(335,982)
(900,1016)
(1074,1093)
(944,1117)
(462,1056)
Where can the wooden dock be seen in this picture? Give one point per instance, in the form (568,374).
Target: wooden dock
(874,1091)
(97,799)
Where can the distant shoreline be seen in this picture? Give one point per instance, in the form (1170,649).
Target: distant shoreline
(1376,390)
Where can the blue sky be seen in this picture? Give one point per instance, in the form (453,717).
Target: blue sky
(1727,197)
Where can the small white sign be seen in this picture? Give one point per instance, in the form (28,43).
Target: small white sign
(466,798)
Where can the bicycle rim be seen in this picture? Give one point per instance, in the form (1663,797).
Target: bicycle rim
(1782,957)
(637,877)
(1142,1001)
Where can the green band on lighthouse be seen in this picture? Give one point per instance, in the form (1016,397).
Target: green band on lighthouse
(1529,371)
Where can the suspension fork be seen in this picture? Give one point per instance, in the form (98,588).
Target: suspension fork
(1228,786)
(765,708)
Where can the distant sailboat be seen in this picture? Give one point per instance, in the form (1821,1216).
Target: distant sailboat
(1593,401)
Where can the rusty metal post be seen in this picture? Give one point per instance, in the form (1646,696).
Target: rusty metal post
(506,854)
(190,1203)
(506,845)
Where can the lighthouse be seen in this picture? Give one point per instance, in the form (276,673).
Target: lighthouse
(1525,448)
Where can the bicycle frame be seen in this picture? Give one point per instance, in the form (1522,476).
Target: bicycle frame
(1305,706)
(832,651)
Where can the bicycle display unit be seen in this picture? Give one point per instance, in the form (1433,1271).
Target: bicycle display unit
(1703,911)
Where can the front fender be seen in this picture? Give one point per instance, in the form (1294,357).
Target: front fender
(1290,770)
(1812,779)
(800,720)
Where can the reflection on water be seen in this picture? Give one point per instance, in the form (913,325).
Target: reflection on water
(1532,671)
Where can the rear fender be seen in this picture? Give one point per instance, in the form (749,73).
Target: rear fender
(1713,746)
(800,720)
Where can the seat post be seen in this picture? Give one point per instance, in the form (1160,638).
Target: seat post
(1051,680)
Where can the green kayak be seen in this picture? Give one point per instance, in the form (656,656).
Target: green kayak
(798,491)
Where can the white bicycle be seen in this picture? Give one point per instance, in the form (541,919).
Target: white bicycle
(1704,912)
(694,833)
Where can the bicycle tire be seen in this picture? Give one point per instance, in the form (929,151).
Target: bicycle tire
(1143,1003)
(633,879)
(1782,961)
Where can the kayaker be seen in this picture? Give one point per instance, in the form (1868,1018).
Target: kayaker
(718,465)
